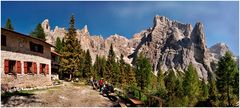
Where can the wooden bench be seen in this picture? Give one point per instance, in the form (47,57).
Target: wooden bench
(122,104)
(134,100)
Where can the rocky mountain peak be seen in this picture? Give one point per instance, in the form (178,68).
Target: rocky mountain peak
(219,49)
(85,29)
(172,43)
(45,25)
(160,21)
(197,35)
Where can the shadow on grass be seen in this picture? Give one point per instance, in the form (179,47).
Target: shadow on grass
(18,98)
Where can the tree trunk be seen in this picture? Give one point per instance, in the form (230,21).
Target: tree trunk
(139,95)
(70,77)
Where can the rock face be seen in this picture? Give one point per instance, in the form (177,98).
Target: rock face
(52,35)
(174,44)
(218,50)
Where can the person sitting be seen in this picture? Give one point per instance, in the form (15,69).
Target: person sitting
(108,88)
(105,89)
(100,84)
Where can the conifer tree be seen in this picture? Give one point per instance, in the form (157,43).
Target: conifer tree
(9,25)
(226,72)
(131,80)
(204,90)
(160,81)
(58,45)
(71,53)
(122,76)
(103,66)
(110,64)
(170,82)
(38,32)
(113,71)
(213,97)
(96,67)
(143,71)
(191,85)
(87,70)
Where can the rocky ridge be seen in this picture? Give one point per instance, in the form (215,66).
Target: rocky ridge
(172,44)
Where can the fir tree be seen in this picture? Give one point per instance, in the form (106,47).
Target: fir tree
(111,55)
(204,90)
(131,80)
(160,81)
(38,32)
(113,70)
(87,70)
(170,82)
(9,25)
(122,76)
(58,45)
(191,85)
(213,97)
(226,74)
(71,53)
(100,66)
(143,70)
(103,66)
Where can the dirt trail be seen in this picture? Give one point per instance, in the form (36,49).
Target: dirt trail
(68,95)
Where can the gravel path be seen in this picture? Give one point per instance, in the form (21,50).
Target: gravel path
(68,95)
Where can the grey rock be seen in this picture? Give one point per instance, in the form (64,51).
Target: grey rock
(174,44)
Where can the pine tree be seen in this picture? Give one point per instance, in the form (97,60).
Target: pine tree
(87,70)
(9,25)
(143,70)
(226,74)
(160,82)
(131,80)
(170,83)
(181,99)
(72,54)
(191,85)
(122,76)
(96,67)
(213,97)
(38,32)
(116,73)
(58,45)
(113,70)
(204,90)
(100,66)
(111,55)
(103,67)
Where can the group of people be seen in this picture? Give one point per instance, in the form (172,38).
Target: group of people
(105,88)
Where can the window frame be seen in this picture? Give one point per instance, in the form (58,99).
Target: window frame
(36,47)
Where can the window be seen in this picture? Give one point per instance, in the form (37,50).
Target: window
(12,67)
(30,68)
(3,40)
(43,69)
(36,47)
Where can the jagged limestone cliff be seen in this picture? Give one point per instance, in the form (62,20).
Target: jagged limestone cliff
(174,44)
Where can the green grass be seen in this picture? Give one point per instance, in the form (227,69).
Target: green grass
(19,93)
(81,83)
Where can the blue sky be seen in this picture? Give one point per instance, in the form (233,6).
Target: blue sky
(220,19)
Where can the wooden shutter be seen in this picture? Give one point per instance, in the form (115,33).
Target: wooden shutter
(25,68)
(47,68)
(40,68)
(34,66)
(18,67)
(6,66)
